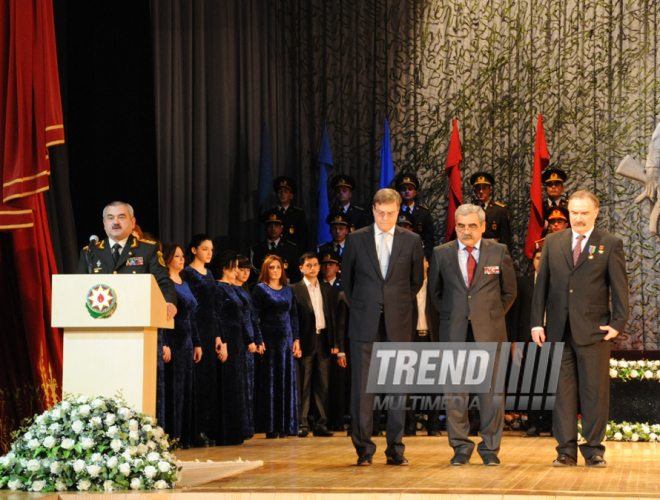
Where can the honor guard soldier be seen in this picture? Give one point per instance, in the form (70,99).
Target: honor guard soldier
(497,216)
(294,221)
(557,218)
(276,244)
(343,186)
(553,179)
(340,224)
(405,221)
(330,262)
(407,186)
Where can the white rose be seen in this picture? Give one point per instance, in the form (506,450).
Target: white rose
(132,450)
(65,406)
(641,363)
(96,421)
(112,462)
(15,484)
(49,442)
(112,432)
(125,413)
(82,399)
(84,484)
(93,470)
(110,419)
(151,445)
(133,425)
(84,410)
(613,373)
(623,364)
(136,484)
(55,468)
(645,429)
(160,485)
(33,465)
(116,444)
(33,444)
(618,436)
(40,419)
(153,457)
(125,469)
(38,485)
(166,455)
(87,443)
(5,462)
(138,462)
(146,428)
(163,466)
(54,428)
(27,436)
(634,437)
(653,437)
(77,426)
(627,429)
(60,486)
(79,465)
(634,374)
(97,402)
(141,449)
(134,435)
(648,374)
(96,457)
(67,443)
(159,432)
(164,444)
(657,374)
(56,414)
(150,471)
(107,485)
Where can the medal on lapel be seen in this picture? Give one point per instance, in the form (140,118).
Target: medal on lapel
(592,249)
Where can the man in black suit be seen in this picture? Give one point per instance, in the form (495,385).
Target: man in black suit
(498,227)
(407,186)
(382,271)
(316,307)
(582,271)
(123,253)
(473,284)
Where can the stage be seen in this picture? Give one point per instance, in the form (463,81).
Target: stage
(324,468)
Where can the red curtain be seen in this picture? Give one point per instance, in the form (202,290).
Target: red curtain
(30,122)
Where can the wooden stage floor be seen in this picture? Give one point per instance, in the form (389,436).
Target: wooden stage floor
(324,468)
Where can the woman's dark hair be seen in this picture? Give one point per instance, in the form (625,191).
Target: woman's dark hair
(224,260)
(244,262)
(195,242)
(263,276)
(168,254)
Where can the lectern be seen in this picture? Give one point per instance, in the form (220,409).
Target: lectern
(110,326)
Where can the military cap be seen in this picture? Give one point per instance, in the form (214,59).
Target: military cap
(342,181)
(482,178)
(403,178)
(557,213)
(330,256)
(553,174)
(405,218)
(271,216)
(338,218)
(284,182)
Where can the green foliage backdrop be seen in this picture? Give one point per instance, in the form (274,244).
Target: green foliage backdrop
(590,67)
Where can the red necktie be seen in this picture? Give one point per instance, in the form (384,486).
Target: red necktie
(471,265)
(578,249)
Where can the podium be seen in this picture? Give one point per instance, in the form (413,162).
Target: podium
(110,326)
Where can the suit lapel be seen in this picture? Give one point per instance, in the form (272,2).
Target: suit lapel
(370,244)
(397,244)
(565,245)
(304,293)
(594,239)
(484,252)
(454,249)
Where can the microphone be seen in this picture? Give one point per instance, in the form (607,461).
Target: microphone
(93,240)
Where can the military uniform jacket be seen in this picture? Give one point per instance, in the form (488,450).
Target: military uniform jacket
(330,247)
(424,227)
(138,257)
(497,224)
(286,250)
(359,217)
(295,228)
(563,202)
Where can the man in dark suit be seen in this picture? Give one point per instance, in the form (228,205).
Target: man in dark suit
(382,271)
(407,186)
(498,227)
(123,253)
(473,284)
(316,307)
(582,271)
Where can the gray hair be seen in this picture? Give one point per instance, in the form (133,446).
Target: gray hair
(584,195)
(468,209)
(116,204)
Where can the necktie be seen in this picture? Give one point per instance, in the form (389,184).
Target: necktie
(578,249)
(383,253)
(116,248)
(272,245)
(471,265)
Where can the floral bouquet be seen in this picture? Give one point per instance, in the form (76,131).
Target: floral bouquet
(95,444)
(635,370)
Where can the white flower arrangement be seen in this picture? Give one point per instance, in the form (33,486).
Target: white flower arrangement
(89,444)
(635,370)
(628,431)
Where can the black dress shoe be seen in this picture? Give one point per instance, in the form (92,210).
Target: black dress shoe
(397,459)
(564,460)
(491,460)
(303,433)
(460,459)
(323,433)
(376,432)
(272,435)
(532,432)
(202,441)
(596,461)
(435,433)
(410,432)
(185,446)
(365,459)
(282,435)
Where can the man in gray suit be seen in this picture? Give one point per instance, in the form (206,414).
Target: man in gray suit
(472,284)
(582,271)
(382,271)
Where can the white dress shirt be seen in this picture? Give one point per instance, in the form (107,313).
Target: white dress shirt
(314,291)
(463,257)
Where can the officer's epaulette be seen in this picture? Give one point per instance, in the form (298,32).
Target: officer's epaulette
(85,248)
(357,208)
(287,242)
(499,204)
(149,242)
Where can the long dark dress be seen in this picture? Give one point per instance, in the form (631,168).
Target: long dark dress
(206,374)
(276,392)
(180,371)
(251,333)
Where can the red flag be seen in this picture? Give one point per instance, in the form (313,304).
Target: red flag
(453,170)
(541,160)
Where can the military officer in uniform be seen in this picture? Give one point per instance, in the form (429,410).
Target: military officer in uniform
(553,179)
(557,218)
(405,221)
(497,216)
(276,244)
(123,253)
(343,186)
(340,224)
(294,220)
(407,186)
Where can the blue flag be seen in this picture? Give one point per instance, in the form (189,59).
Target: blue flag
(265,173)
(386,164)
(325,162)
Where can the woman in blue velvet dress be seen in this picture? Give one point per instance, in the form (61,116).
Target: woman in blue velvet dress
(198,253)
(276,389)
(184,348)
